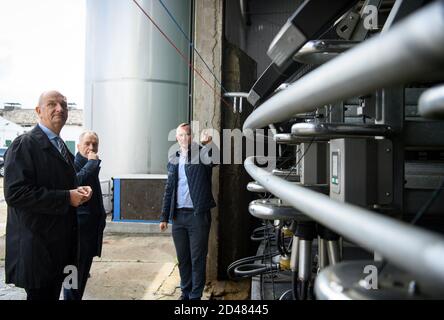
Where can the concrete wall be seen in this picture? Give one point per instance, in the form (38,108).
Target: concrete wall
(231,222)
(235,222)
(208,17)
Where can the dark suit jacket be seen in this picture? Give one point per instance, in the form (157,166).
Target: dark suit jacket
(41,230)
(199,174)
(91,215)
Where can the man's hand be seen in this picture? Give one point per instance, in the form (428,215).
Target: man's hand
(79,196)
(163,226)
(86,191)
(205,137)
(92,155)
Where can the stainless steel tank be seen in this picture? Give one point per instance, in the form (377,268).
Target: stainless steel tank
(136,83)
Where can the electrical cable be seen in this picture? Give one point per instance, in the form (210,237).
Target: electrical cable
(280,238)
(272,273)
(428,204)
(245,261)
(300,159)
(255,237)
(249,270)
(190,65)
(295,166)
(284,294)
(191,44)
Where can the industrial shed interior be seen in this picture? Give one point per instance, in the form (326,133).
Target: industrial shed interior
(351,92)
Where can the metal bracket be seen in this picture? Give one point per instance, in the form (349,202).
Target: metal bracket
(236,95)
(275,209)
(346,27)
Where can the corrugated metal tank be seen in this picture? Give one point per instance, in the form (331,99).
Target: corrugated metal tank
(136,83)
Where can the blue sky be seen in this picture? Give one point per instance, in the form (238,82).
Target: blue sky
(42,47)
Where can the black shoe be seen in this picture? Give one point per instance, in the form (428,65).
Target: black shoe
(182,297)
(195,298)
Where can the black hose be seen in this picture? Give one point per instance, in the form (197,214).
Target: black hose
(254,269)
(255,235)
(245,261)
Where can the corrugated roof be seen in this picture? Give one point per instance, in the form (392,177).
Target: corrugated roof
(28,117)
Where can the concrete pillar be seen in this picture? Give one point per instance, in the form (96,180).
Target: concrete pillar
(208,34)
(236,224)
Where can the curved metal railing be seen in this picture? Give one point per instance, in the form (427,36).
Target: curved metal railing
(416,250)
(431,103)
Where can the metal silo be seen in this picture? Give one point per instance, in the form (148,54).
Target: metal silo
(136,83)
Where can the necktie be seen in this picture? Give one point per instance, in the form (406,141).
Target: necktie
(63,150)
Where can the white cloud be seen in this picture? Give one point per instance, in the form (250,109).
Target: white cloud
(42,47)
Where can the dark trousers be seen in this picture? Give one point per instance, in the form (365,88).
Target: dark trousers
(87,250)
(85,263)
(190,234)
(51,292)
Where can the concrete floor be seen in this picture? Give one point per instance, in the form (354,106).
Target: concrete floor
(132,267)
(137,263)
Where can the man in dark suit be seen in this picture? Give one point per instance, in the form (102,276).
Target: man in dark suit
(91,215)
(42,194)
(187,201)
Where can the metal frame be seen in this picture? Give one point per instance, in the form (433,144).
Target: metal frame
(116,213)
(320,51)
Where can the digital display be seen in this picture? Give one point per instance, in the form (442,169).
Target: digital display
(335,168)
(335,165)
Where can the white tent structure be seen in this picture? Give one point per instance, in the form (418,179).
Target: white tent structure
(9,131)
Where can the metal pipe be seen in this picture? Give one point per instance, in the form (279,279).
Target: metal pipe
(304,269)
(273,129)
(294,257)
(334,255)
(274,132)
(236,94)
(339,130)
(288,138)
(416,42)
(322,253)
(273,209)
(431,103)
(256,187)
(419,251)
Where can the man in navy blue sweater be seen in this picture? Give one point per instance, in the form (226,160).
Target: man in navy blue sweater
(187,201)
(91,215)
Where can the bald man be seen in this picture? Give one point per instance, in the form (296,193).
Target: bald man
(42,194)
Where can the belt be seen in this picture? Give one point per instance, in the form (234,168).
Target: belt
(185,209)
